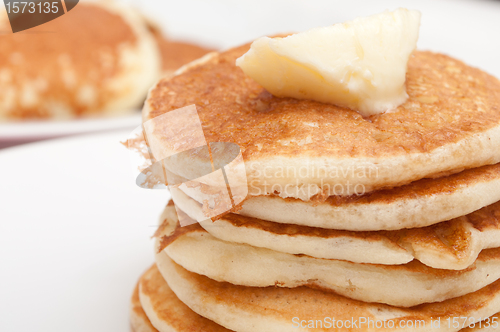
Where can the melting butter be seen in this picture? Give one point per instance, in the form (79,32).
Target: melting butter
(359,64)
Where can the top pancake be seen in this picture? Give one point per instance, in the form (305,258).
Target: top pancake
(98,58)
(450,122)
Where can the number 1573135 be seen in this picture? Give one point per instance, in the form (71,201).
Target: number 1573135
(32,7)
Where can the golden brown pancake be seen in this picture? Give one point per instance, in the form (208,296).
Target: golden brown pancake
(175,54)
(453,244)
(159,289)
(165,311)
(139,321)
(418,204)
(96,59)
(303,148)
(399,285)
(274,309)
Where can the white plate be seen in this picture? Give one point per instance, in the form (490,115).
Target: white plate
(37,130)
(74,235)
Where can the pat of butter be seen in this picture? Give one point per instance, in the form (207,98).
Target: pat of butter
(360,64)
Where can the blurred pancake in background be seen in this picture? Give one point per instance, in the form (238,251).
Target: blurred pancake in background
(99,59)
(175,54)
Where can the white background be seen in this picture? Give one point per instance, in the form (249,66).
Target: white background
(466,29)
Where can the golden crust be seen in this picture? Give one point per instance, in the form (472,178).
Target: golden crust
(448,237)
(437,199)
(175,54)
(169,309)
(421,188)
(453,238)
(139,321)
(156,283)
(449,101)
(282,304)
(453,244)
(450,122)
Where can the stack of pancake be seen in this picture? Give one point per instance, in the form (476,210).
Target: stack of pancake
(380,223)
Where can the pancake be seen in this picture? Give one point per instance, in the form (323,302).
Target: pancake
(303,149)
(400,285)
(159,292)
(175,54)
(419,204)
(452,245)
(97,59)
(166,312)
(274,309)
(139,321)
